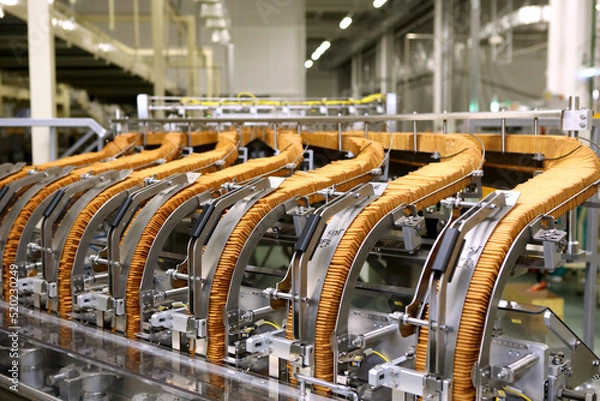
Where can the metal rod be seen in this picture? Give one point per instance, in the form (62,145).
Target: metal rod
(366,339)
(503,135)
(95,277)
(573,105)
(337,388)
(170,293)
(482,115)
(536,128)
(591,269)
(78,144)
(572,243)
(523,363)
(339,136)
(189,135)
(415,135)
(256,314)
(594,184)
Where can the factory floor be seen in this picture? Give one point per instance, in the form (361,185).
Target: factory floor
(568,284)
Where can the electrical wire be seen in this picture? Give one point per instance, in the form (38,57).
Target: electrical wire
(563,156)
(454,154)
(268,323)
(590,142)
(516,392)
(380,355)
(482,149)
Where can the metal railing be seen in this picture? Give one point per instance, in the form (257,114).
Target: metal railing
(95,130)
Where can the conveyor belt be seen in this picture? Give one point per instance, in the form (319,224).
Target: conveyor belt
(205,162)
(570,167)
(343,174)
(291,152)
(464,157)
(168,150)
(118,146)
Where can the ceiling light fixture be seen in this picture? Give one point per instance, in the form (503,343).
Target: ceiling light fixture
(1,11)
(346,22)
(308,64)
(379,3)
(9,2)
(68,24)
(320,50)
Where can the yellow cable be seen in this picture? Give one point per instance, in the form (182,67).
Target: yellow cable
(269,323)
(245,94)
(516,392)
(253,100)
(379,354)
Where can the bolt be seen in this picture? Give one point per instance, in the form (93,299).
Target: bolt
(582,125)
(503,375)
(51,380)
(596,362)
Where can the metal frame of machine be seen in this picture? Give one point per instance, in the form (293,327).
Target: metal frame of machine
(549,363)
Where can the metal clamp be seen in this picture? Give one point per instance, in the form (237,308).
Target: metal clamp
(179,322)
(106,303)
(86,301)
(407,380)
(577,120)
(554,243)
(413,227)
(274,343)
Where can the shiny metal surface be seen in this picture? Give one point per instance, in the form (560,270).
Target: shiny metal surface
(204,263)
(41,180)
(7,169)
(143,367)
(317,266)
(475,239)
(351,119)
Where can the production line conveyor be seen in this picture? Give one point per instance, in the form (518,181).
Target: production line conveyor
(258,258)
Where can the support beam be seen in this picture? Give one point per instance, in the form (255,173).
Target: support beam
(42,78)
(385,63)
(569,36)
(475,54)
(158,32)
(192,55)
(230,68)
(356,75)
(438,39)
(443,43)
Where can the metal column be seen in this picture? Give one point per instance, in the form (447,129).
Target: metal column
(591,266)
(42,78)
(230,68)
(158,31)
(438,43)
(442,52)
(475,51)
(385,63)
(356,75)
(569,36)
